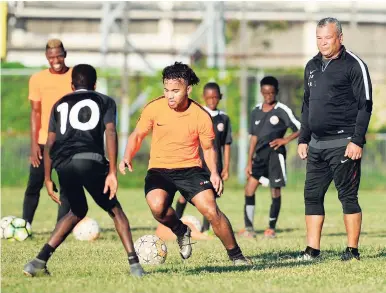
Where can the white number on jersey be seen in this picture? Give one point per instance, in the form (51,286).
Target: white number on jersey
(74,114)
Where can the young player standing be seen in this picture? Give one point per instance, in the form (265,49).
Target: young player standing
(223,139)
(269,122)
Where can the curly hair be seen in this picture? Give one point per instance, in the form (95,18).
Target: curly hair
(180,71)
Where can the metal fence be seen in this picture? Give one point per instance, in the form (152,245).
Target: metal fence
(15,152)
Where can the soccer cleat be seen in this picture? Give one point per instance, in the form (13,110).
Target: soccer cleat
(242,261)
(136,270)
(185,244)
(247,232)
(269,233)
(36,267)
(306,256)
(348,255)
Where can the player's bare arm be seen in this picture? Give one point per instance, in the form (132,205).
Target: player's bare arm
(210,158)
(111,182)
(134,143)
(50,185)
(35,155)
(252,146)
(276,143)
(227,158)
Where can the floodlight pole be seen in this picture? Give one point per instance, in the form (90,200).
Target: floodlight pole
(243,134)
(125,101)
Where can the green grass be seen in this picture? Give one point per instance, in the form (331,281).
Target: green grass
(101,266)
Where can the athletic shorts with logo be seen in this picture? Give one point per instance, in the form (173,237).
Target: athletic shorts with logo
(270,164)
(188,181)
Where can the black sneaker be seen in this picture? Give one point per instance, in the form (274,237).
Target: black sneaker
(308,254)
(136,270)
(242,261)
(185,244)
(348,255)
(36,267)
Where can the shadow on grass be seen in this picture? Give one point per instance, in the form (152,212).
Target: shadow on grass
(231,268)
(103,230)
(369,234)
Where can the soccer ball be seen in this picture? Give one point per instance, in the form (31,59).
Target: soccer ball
(193,220)
(86,230)
(4,222)
(151,250)
(18,229)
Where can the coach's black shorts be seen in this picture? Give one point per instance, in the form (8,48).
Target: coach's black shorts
(270,164)
(90,174)
(188,181)
(325,165)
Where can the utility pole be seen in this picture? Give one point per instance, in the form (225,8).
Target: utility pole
(243,133)
(125,101)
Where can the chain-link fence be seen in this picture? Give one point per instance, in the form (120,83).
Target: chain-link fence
(15,151)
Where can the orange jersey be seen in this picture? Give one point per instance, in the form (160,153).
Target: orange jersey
(47,88)
(176,135)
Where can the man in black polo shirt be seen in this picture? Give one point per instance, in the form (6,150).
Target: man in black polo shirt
(336,112)
(269,122)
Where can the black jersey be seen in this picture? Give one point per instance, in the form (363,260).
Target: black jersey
(223,134)
(79,120)
(271,125)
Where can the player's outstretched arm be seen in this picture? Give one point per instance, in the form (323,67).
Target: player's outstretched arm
(111,182)
(210,157)
(134,143)
(35,121)
(50,185)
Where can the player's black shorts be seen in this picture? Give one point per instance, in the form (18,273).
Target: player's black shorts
(325,165)
(270,164)
(90,174)
(188,181)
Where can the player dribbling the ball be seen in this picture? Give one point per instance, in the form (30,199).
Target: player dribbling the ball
(75,148)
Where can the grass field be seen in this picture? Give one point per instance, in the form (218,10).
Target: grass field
(101,266)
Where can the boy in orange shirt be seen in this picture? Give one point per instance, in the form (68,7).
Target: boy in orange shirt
(179,127)
(45,89)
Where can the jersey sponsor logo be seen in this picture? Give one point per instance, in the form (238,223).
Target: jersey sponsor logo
(73,116)
(204,182)
(220,127)
(274,120)
(257,122)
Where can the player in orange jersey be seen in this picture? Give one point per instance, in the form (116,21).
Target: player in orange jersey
(45,89)
(179,127)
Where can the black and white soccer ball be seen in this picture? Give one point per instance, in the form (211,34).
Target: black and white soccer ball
(151,250)
(17,229)
(4,222)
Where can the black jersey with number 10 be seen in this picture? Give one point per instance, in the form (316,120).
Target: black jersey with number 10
(79,120)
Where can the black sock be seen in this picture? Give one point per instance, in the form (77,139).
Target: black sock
(46,252)
(235,253)
(133,258)
(353,250)
(205,225)
(179,229)
(274,212)
(312,251)
(249,211)
(180,208)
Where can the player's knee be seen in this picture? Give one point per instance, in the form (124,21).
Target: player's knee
(212,214)
(80,212)
(275,192)
(313,206)
(350,204)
